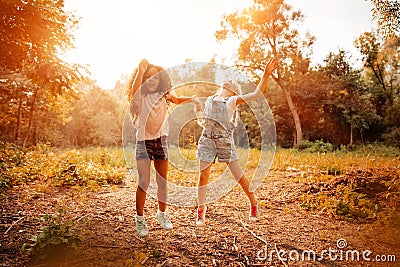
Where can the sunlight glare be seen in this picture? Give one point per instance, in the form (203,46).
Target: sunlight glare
(114,36)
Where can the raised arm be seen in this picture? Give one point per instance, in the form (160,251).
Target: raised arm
(269,68)
(138,78)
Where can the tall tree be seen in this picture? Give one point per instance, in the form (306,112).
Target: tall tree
(32,75)
(381,59)
(267,29)
(387,12)
(349,101)
(96,119)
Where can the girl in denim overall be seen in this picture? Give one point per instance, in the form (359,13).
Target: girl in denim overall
(216,140)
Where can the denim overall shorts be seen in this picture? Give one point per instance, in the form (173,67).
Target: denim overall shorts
(216,140)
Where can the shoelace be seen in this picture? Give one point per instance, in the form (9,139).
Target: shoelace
(141,225)
(164,218)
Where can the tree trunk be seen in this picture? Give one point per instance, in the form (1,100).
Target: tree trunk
(351,133)
(31,113)
(295,114)
(19,118)
(35,139)
(362,137)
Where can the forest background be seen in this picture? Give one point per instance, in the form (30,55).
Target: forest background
(45,99)
(64,181)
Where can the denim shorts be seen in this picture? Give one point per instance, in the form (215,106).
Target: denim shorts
(156,149)
(214,145)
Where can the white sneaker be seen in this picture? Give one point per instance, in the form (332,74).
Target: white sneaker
(201,216)
(141,226)
(162,218)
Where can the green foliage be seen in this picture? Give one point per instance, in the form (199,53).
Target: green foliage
(387,13)
(392,137)
(343,202)
(381,68)
(376,149)
(348,103)
(96,119)
(57,239)
(77,169)
(34,80)
(10,156)
(336,102)
(277,22)
(369,194)
(156,253)
(44,29)
(318,146)
(25,165)
(70,167)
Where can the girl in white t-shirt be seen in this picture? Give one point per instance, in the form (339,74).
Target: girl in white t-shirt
(149,94)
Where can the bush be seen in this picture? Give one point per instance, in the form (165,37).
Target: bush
(55,241)
(375,149)
(44,163)
(342,202)
(318,146)
(392,137)
(74,169)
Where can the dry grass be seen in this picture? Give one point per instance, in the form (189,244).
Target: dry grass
(334,162)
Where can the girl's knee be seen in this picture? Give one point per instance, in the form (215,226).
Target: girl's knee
(204,176)
(162,183)
(203,180)
(239,176)
(144,183)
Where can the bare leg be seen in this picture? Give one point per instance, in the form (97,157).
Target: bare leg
(143,166)
(239,176)
(161,167)
(205,171)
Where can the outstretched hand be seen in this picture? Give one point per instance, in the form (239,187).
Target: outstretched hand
(195,99)
(198,104)
(271,66)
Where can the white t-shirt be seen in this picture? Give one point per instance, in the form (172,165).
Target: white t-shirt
(152,117)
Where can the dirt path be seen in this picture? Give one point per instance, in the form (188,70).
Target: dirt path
(228,239)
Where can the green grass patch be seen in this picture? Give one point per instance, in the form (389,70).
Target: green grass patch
(42,163)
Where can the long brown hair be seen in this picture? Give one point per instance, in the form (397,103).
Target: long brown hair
(163,87)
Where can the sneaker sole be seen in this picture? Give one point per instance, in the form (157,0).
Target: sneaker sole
(142,235)
(200,224)
(165,228)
